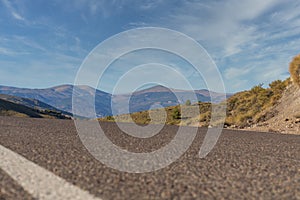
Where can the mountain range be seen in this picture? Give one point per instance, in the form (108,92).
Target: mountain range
(60,97)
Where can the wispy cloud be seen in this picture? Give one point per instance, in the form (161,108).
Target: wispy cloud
(54,69)
(10,52)
(244,37)
(221,25)
(28,42)
(17,16)
(103,8)
(150,4)
(13,11)
(251,41)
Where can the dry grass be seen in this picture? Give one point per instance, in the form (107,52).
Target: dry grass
(250,106)
(295,70)
(189,115)
(12,113)
(243,108)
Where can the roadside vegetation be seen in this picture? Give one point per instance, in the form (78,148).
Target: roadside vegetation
(173,115)
(243,109)
(252,106)
(295,70)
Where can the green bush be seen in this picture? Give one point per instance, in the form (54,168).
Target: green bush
(176,113)
(110,118)
(188,102)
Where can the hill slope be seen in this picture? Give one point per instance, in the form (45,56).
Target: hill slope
(32,103)
(8,108)
(286,114)
(256,105)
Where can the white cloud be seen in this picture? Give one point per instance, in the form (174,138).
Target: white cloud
(11,52)
(162,50)
(28,42)
(51,70)
(17,16)
(150,4)
(221,25)
(13,11)
(254,40)
(103,8)
(251,40)
(5,51)
(233,73)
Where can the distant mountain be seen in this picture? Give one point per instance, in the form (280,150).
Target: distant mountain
(8,108)
(60,97)
(160,96)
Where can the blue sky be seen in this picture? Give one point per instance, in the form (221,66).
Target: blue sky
(43,43)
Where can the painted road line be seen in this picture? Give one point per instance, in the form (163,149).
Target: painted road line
(37,181)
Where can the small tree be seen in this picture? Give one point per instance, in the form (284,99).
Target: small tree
(110,118)
(277,88)
(257,89)
(295,70)
(188,102)
(176,114)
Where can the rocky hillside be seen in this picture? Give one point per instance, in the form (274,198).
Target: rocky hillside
(286,117)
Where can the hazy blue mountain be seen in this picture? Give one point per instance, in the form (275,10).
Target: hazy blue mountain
(60,97)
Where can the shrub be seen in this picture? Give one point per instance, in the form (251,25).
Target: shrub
(109,118)
(277,88)
(251,105)
(188,102)
(295,70)
(176,114)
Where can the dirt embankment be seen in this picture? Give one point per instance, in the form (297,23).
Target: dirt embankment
(286,117)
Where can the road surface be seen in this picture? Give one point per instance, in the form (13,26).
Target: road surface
(243,165)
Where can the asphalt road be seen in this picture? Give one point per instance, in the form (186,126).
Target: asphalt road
(243,165)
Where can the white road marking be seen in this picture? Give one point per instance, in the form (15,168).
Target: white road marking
(37,181)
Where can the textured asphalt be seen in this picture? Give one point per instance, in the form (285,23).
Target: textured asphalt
(243,165)
(9,189)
